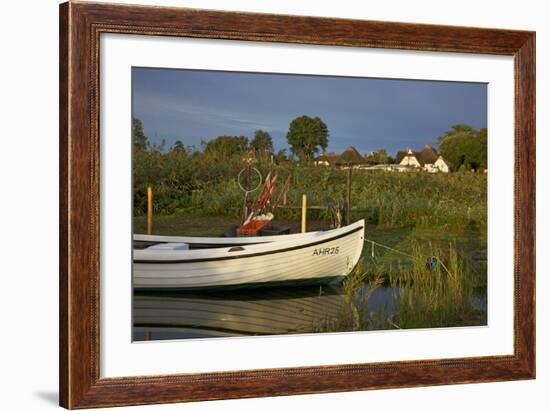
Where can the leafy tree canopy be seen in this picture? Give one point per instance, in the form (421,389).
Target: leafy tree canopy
(306,136)
(141,143)
(157,147)
(465,147)
(379,157)
(262,143)
(178,147)
(280,157)
(226,146)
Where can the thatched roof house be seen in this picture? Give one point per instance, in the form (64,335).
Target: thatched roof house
(327,159)
(428,155)
(349,157)
(427,159)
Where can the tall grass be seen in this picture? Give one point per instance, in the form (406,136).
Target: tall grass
(435,295)
(424,295)
(190,185)
(354,313)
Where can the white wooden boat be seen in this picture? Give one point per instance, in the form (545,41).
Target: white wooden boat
(311,257)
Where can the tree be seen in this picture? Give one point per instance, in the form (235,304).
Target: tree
(178,147)
(280,157)
(262,143)
(465,146)
(482,135)
(141,143)
(306,135)
(379,157)
(226,146)
(157,147)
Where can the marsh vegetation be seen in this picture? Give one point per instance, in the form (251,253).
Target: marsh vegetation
(426,234)
(417,217)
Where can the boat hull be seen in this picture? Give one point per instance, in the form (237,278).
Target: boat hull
(316,258)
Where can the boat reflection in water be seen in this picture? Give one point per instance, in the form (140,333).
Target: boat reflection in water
(163,315)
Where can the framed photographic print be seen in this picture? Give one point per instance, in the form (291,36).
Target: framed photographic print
(256,205)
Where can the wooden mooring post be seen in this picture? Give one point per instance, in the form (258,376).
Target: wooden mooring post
(304,212)
(348,197)
(149,209)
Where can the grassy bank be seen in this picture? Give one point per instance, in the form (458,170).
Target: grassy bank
(187,187)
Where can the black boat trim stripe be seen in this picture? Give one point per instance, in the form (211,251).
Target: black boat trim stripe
(200,246)
(232,257)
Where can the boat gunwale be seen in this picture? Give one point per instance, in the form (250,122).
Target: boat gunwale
(222,241)
(267,252)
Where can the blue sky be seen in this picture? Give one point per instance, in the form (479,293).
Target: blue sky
(370,114)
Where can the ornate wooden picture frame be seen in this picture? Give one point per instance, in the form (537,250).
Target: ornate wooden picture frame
(81,25)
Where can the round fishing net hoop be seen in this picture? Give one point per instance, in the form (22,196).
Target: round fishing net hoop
(249,179)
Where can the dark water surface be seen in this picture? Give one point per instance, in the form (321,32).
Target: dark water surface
(267,311)
(291,310)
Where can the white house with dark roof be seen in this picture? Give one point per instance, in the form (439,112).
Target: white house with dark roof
(427,159)
(441,165)
(327,159)
(350,157)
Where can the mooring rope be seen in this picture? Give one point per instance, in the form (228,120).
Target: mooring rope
(373,243)
(387,247)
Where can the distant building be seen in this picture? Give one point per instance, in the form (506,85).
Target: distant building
(442,165)
(405,161)
(409,158)
(349,157)
(427,159)
(327,159)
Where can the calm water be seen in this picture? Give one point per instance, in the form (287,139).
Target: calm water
(271,311)
(160,316)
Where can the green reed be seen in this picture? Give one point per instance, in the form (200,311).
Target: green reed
(190,185)
(431,294)
(424,294)
(354,313)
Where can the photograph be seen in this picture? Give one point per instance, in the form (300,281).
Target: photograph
(281,203)
(268,203)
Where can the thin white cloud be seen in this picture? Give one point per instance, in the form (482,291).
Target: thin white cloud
(163,105)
